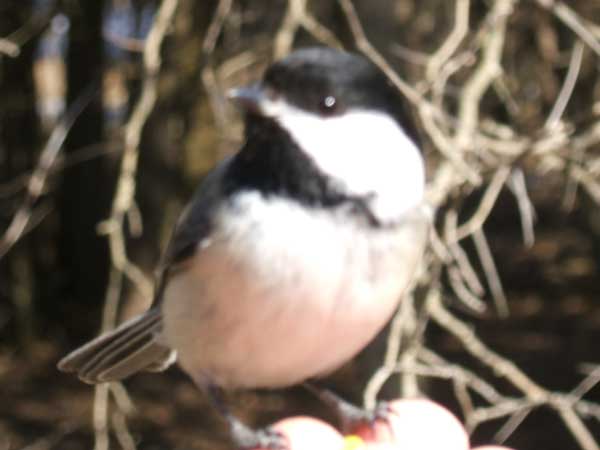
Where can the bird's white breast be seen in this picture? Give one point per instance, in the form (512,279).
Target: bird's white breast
(279,294)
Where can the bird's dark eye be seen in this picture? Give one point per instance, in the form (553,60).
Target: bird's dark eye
(328,105)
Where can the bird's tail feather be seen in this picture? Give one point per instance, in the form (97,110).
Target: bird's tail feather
(129,348)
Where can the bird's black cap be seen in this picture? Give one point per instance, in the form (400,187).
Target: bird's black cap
(329,82)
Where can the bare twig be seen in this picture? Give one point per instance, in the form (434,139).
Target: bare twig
(123,200)
(123,203)
(517,185)
(410,55)
(489,68)
(534,393)
(319,31)
(290,25)
(462,260)
(441,368)
(297,16)
(567,88)
(514,421)
(392,353)
(590,381)
(365,46)
(573,22)
(77,156)
(209,74)
(37,181)
(452,41)
(491,272)
(101,435)
(127,43)
(122,433)
(485,206)
(9,48)
(102,391)
(473,345)
(216,26)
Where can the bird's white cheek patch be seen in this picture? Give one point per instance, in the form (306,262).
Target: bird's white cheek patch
(367,152)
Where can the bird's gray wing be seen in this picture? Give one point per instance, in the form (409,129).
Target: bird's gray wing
(194,225)
(136,345)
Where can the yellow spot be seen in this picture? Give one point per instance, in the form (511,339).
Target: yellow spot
(353,442)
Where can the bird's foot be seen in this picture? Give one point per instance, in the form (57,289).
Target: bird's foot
(246,438)
(352,417)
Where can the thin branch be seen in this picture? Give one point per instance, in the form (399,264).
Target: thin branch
(501,366)
(518,187)
(122,433)
(392,353)
(9,48)
(590,381)
(467,272)
(485,206)
(534,393)
(100,417)
(102,391)
(37,181)
(216,26)
(491,272)
(290,25)
(452,41)
(567,88)
(297,16)
(572,21)
(126,185)
(446,147)
(445,369)
(514,421)
(577,428)
(365,46)
(487,71)
(319,31)
(407,54)
(209,74)
(77,156)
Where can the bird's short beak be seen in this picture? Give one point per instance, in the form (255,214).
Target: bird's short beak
(250,98)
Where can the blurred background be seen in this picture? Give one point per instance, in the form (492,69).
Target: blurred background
(112,111)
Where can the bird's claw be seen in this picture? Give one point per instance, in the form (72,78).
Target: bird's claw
(246,438)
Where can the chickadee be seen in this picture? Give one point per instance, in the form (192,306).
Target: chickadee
(294,252)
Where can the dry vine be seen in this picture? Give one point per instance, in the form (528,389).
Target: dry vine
(473,152)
